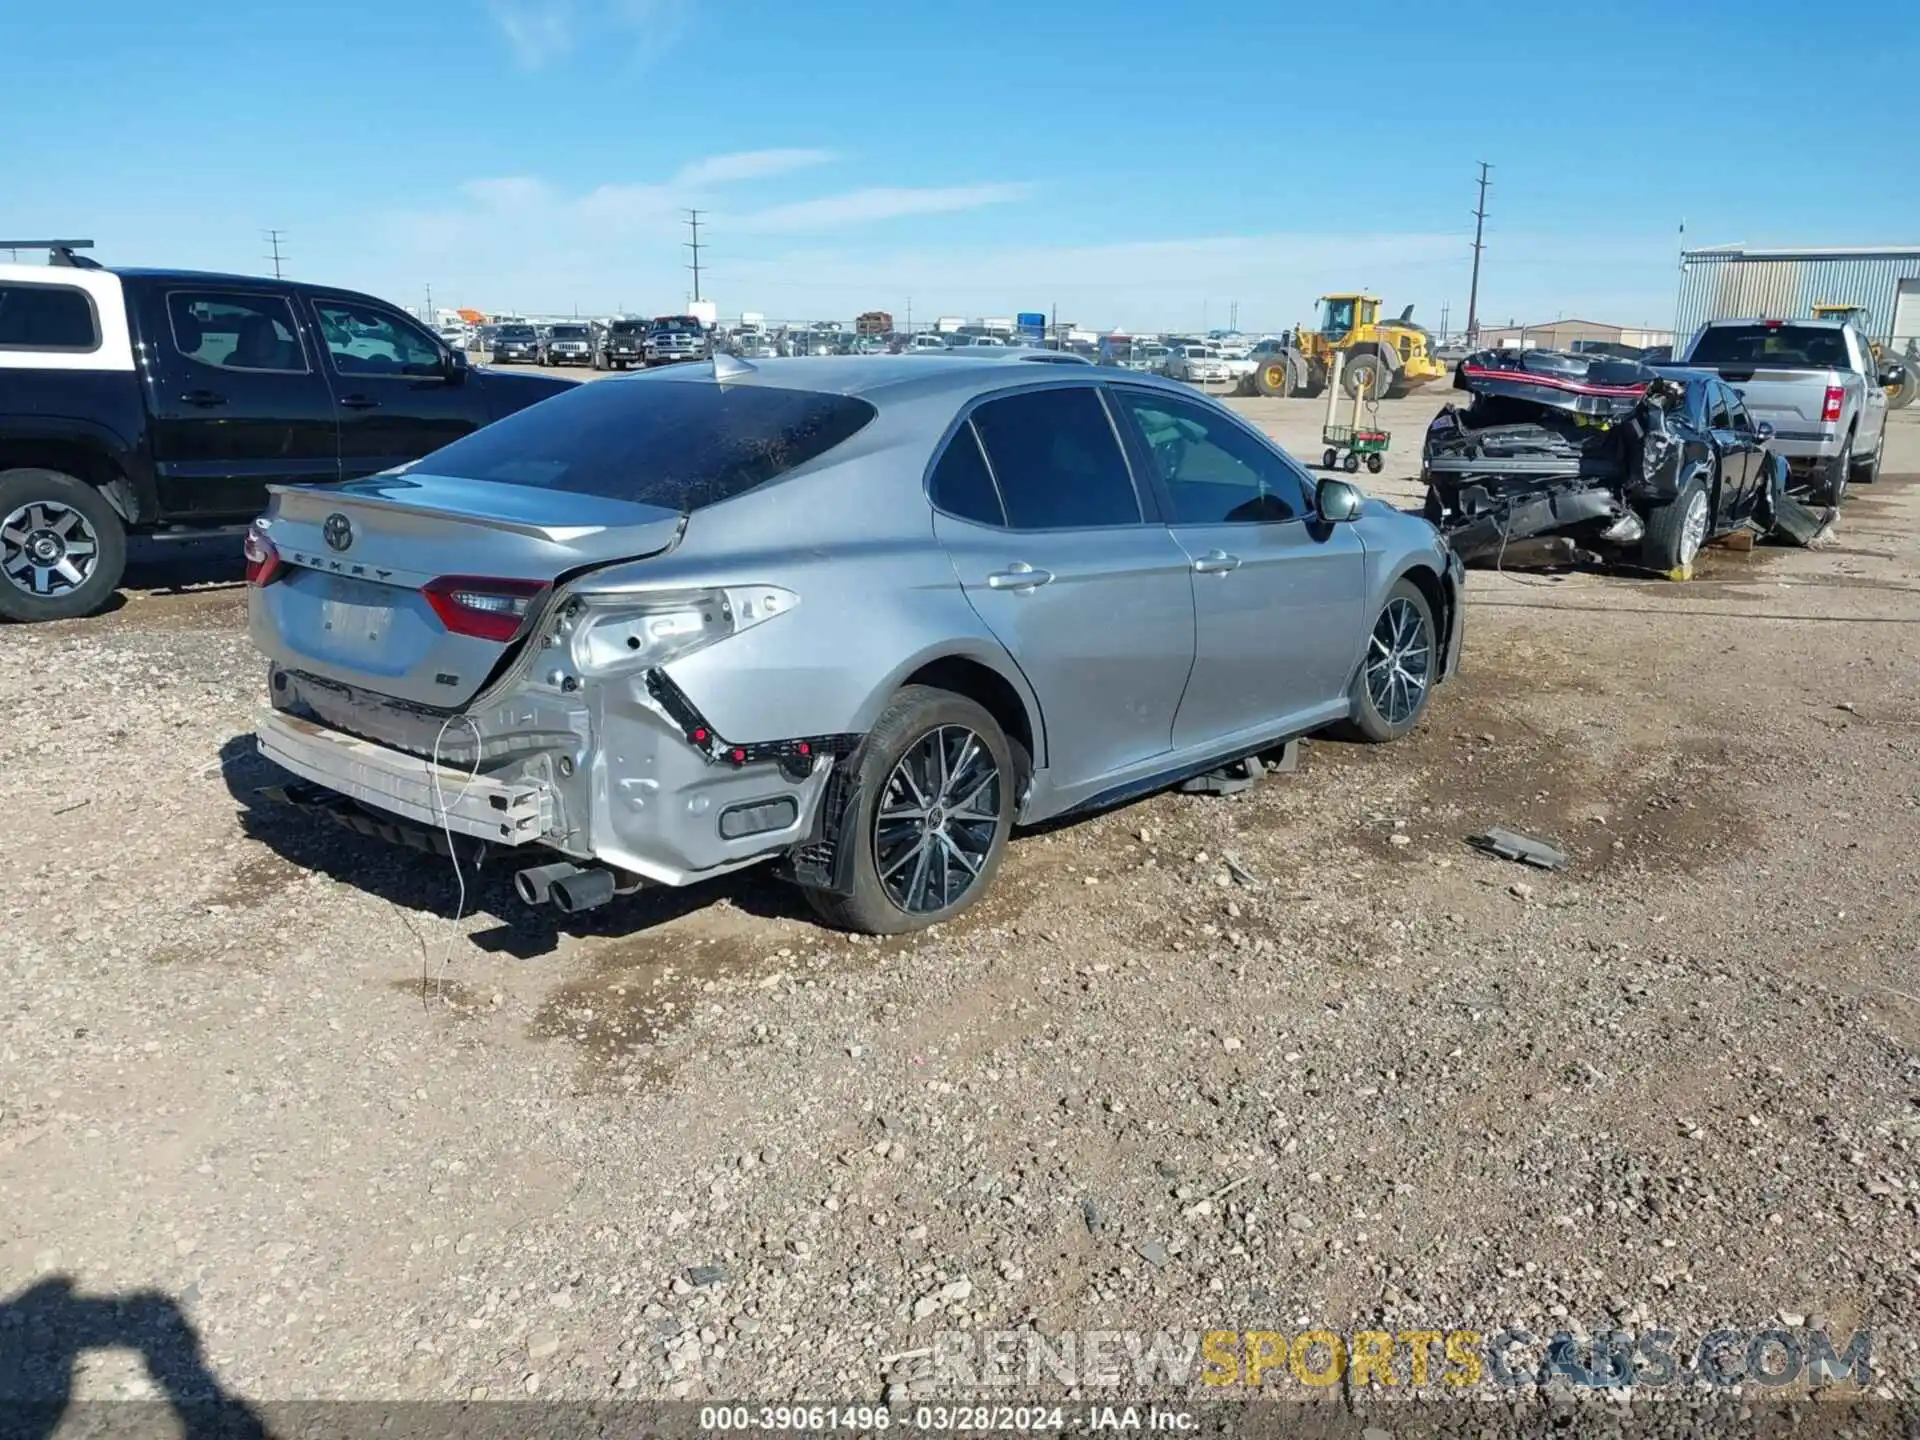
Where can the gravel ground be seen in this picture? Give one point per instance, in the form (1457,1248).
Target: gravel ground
(1292,1059)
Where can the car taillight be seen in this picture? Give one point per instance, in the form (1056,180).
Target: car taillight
(482,606)
(1835,398)
(263,561)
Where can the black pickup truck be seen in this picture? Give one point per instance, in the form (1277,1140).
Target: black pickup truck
(163,403)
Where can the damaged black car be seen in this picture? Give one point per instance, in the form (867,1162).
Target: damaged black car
(1565,459)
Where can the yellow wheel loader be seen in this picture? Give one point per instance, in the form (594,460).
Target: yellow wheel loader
(1384,359)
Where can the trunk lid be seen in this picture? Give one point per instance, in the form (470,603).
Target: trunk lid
(351,601)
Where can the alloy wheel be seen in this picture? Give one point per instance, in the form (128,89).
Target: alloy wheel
(1399,661)
(47,549)
(1693,533)
(936,820)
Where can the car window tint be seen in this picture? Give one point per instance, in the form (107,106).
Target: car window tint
(1737,413)
(1717,418)
(364,340)
(47,317)
(676,444)
(1214,471)
(962,485)
(236,332)
(1057,460)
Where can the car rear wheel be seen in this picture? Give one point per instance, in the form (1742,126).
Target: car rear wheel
(1677,530)
(62,547)
(1390,691)
(933,805)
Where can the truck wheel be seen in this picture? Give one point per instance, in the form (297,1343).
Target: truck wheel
(1832,486)
(1274,377)
(1677,530)
(62,547)
(933,805)
(1375,464)
(1361,372)
(1865,472)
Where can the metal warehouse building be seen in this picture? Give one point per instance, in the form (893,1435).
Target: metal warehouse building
(1731,281)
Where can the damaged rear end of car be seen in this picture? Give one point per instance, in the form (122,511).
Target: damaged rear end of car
(1581,458)
(476,655)
(1556,457)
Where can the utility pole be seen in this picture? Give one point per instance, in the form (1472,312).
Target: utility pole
(909,315)
(273,238)
(693,223)
(1233,317)
(1445,310)
(427,314)
(1479,229)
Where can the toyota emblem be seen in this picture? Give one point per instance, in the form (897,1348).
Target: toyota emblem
(338,530)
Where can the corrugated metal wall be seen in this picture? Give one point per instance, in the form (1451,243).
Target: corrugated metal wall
(1723,284)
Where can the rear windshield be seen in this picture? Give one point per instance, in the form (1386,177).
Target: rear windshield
(677,444)
(1800,345)
(515,332)
(47,317)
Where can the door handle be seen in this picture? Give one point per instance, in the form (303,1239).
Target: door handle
(1018,576)
(1216,562)
(358,402)
(204,398)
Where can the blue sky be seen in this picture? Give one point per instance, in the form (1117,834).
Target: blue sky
(1145,163)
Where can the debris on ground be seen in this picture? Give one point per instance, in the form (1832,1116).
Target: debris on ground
(1512,845)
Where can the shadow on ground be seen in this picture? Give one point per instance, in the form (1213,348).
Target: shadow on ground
(47,1328)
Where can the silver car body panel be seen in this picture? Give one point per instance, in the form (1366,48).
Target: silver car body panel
(1129,665)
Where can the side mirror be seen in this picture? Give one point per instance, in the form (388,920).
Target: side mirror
(1338,499)
(455,365)
(1764,430)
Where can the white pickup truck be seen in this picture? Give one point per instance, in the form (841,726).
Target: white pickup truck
(1815,382)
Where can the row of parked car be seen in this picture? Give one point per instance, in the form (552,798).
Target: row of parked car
(622,344)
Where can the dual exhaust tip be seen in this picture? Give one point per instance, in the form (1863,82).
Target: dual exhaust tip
(571,888)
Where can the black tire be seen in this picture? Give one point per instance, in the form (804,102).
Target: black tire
(1677,530)
(1273,378)
(1830,486)
(1378,719)
(1361,370)
(1351,463)
(1865,472)
(1329,458)
(1375,464)
(61,496)
(1431,509)
(917,715)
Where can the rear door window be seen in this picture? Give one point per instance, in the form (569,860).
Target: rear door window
(1057,461)
(1717,416)
(56,318)
(236,332)
(962,485)
(680,445)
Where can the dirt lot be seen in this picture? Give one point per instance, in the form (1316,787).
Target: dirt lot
(372,1149)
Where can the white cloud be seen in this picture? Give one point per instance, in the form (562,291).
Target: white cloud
(512,192)
(539,31)
(749,165)
(865,207)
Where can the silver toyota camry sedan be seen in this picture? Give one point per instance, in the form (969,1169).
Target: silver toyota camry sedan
(856,616)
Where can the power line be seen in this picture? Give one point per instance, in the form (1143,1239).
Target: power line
(1479,229)
(693,223)
(273,238)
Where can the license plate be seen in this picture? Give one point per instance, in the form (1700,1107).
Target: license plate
(355,615)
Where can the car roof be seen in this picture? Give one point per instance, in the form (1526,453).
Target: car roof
(873,376)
